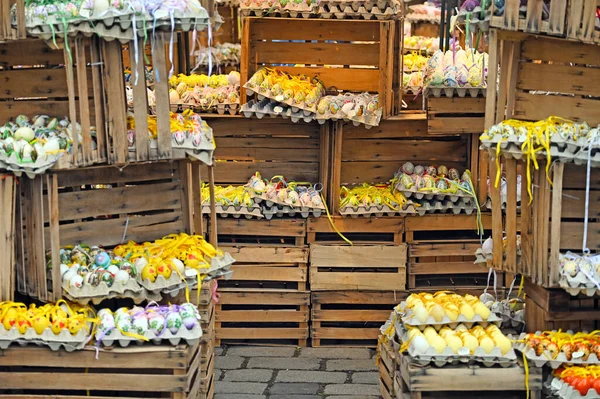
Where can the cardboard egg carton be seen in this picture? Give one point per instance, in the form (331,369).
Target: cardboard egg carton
(435,194)
(161,282)
(418,17)
(557,388)
(545,358)
(87,293)
(377,210)
(47,338)
(409,320)
(437,91)
(30,169)
(463,355)
(114,337)
(274,109)
(287,210)
(276,12)
(220,108)
(579,284)
(414,90)
(263,200)
(356,10)
(461,206)
(235,211)
(369,120)
(261,95)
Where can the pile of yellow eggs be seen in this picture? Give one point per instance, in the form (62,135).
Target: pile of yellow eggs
(444,304)
(461,337)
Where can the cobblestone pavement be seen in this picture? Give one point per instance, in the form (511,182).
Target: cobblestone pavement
(243,372)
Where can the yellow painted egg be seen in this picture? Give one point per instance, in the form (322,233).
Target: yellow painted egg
(470,342)
(58,325)
(437,312)
(40,323)
(429,332)
(467,311)
(163,270)
(149,273)
(454,343)
(487,344)
(10,318)
(482,310)
(452,312)
(421,313)
(461,327)
(503,343)
(438,343)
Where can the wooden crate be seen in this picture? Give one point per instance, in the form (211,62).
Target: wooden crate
(374,155)
(554,308)
(62,208)
(7,32)
(267,267)
(387,360)
(360,231)
(38,80)
(269,146)
(352,55)
(262,317)
(473,381)
(261,232)
(350,318)
(365,267)
(552,224)
(581,21)
(152,371)
(445,265)
(455,115)
(532,22)
(536,82)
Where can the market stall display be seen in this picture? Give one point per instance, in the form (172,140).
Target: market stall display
(202,93)
(456,72)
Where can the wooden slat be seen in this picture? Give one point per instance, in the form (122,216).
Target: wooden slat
(262,316)
(29,53)
(424,151)
(161,89)
(376,256)
(537,107)
(357,281)
(265,148)
(462,125)
(33,83)
(290,29)
(250,254)
(559,78)
(344,333)
(139,229)
(352,315)
(358,172)
(140,103)
(264,298)
(456,105)
(351,79)
(544,49)
(388,129)
(132,173)
(317,53)
(98,98)
(445,268)
(262,333)
(240,172)
(446,222)
(116,117)
(266,273)
(11,109)
(357,297)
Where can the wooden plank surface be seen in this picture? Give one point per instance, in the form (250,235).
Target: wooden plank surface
(317,29)
(262,316)
(317,53)
(362,315)
(559,78)
(265,255)
(375,256)
(264,298)
(358,297)
(273,227)
(357,281)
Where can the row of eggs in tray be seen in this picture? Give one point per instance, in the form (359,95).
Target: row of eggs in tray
(460,337)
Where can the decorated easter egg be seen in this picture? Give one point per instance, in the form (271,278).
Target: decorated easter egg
(187,310)
(67,276)
(442,170)
(102,259)
(190,322)
(121,277)
(431,170)
(156,323)
(58,325)
(408,168)
(129,268)
(174,322)
(163,270)
(76,281)
(453,174)
(40,323)
(106,277)
(419,170)
(149,273)
(113,269)
(140,325)
(92,279)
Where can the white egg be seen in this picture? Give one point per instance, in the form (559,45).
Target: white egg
(63,269)
(420,344)
(140,263)
(76,281)
(66,277)
(52,145)
(177,264)
(100,6)
(121,277)
(113,269)
(421,313)
(25,133)
(41,153)
(140,324)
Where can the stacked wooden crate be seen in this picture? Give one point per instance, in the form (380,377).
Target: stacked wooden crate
(354,288)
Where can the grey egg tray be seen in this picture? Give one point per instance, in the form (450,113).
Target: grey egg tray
(306,110)
(47,338)
(555,388)
(546,359)
(235,211)
(376,210)
(579,284)
(357,11)
(283,210)
(220,109)
(281,13)
(437,196)
(512,150)
(445,207)
(191,337)
(29,169)
(274,109)
(408,320)
(447,357)
(437,91)
(368,121)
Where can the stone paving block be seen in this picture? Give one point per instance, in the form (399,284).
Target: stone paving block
(352,397)
(352,389)
(336,353)
(228,362)
(284,363)
(351,365)
(229,387)
(295,397)
(310,376)
(365,378)
(255,375)
(261,351)
(238,396)
(219,350)
(299,388)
